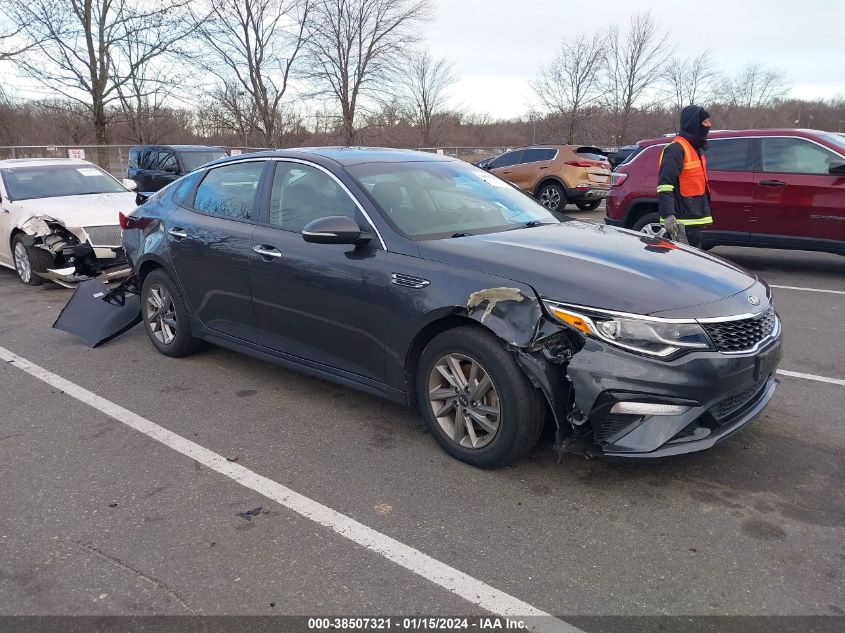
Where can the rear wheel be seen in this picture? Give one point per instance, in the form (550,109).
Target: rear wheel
(29,261)
(650,225)
(165,315)
(588,206)
(552,196)
(475,400)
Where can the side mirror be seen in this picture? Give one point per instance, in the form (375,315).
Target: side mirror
(130,184)
(170,168)
(836,167)
(335,229)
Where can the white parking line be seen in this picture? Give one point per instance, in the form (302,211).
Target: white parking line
(833,292)
(470,589)
(798,374)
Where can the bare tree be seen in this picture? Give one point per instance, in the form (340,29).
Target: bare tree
(427,81)
(635,62)
(356,48)
(572,81)
(755,87)
(691,80)
(76,46)
(254,45)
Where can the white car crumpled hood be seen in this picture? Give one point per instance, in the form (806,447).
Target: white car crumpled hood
(77,211)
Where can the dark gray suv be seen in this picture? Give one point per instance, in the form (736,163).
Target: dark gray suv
(155,166)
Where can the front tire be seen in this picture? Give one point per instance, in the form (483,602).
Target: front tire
(165,315)
(475,400)
(29,261)
(592,205)
(552,196)
(650,225)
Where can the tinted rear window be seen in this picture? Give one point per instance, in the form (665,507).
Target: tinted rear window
(591,153)
(730,154)
(538,154)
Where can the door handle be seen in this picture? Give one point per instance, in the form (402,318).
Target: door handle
(772,183)
(267,251)
(178,232)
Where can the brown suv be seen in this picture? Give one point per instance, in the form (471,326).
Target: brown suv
(556,174)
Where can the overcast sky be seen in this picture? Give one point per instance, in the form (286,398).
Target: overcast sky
(497,45)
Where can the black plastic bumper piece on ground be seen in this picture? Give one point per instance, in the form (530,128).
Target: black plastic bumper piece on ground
(96,313)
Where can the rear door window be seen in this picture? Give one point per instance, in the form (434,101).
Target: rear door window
(729,154)
(537,155)
(795,156)
(230,191)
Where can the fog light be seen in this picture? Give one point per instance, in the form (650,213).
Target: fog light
(648,408)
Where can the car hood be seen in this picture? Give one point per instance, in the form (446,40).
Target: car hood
(76,211)
(598,266)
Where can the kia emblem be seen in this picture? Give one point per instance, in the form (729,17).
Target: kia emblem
(753,300)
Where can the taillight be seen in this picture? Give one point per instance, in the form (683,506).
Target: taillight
(617,178)
(582,163)
(130,222)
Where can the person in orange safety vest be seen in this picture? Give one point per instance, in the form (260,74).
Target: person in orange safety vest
(682,193)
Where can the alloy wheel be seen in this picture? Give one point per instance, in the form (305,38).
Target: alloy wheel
(550,198)
(161,314)
(655,229)
(22,264)
(464,401)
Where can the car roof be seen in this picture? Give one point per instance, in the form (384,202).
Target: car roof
(11,163)
(346,155)
(184,148)
(789,131)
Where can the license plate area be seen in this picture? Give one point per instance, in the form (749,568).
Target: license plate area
(765,363)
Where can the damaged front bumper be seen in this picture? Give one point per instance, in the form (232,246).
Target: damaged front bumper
(77,255)
(671,407)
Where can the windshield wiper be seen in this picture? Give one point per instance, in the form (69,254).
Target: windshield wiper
(461,235)
(531,224)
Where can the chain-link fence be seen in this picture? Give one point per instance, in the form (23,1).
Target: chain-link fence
(115,158)
(469,154)
(112,158)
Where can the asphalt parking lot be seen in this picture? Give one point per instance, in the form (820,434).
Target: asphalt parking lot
(99,519)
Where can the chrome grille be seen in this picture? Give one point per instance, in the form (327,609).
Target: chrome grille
(743,334)
(104,235)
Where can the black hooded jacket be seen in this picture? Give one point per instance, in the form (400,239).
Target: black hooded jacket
(694,210)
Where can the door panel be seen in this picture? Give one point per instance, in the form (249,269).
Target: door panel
(211,247)
(319,302)
(793,193)
(212,264)
(533,166)
(504,165)
(730,176)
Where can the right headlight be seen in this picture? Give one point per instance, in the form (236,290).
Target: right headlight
(661,339)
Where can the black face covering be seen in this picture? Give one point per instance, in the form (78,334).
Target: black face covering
(691,127)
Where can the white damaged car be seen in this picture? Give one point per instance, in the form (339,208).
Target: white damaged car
(59,220)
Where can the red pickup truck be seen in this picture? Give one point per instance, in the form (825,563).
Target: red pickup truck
(769,188)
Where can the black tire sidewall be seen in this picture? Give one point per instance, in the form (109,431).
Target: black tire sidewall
(517,400)
(183,342)
(592,205)
(34,279)
(648,218)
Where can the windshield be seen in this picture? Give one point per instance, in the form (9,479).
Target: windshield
(192,160)
(50,181)
(837,140)
(432,200)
